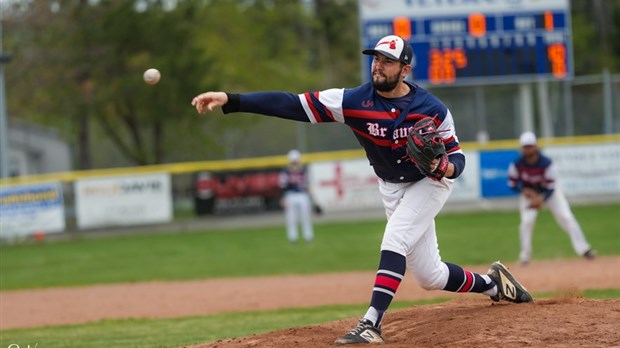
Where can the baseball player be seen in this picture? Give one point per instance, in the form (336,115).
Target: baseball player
(296,201)
(533,175)
(410,141)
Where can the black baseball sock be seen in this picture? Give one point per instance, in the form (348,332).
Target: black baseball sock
(392,268)
(460,280)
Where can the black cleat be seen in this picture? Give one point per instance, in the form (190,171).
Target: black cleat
(364,332)
(590,254)
(508,288)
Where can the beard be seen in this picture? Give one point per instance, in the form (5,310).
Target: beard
(531,157)
(388,84)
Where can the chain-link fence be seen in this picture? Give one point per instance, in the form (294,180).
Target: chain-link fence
(586,105)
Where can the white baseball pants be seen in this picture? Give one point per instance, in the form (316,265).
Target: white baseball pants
(410,231)
(298,210)
(560,209)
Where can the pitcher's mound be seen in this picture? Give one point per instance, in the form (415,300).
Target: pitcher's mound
(558,322)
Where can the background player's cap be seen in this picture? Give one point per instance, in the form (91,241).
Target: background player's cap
(527,139)
(393,47)
(294,156)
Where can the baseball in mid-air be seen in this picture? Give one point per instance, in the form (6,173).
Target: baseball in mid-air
(152,76)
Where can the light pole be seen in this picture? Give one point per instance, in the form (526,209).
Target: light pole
(4,143)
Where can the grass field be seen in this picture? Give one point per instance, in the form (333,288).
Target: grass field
(471,238)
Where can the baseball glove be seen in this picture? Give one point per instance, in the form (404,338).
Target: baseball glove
(424,144)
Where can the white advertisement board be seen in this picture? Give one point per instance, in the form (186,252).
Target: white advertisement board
(123,201)
(587,169)
(30,209)
(352,184)
(467,185)
(344,185)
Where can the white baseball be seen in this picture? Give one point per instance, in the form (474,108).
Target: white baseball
(151,76)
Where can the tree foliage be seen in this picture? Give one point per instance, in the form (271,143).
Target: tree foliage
(78,67)
(596,35)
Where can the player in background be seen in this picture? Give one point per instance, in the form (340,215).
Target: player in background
(533,175)
(381,113)
(296,200)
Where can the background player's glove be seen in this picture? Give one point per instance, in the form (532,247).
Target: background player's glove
(535,199)
(317,209)
(424,144)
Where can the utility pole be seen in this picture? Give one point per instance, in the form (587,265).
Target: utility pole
(4,143)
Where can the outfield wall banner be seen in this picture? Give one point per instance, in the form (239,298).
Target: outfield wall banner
(587,169)
(467,185)
(344,185)
(123,201)
(494,172)
(26,210)
(351,184)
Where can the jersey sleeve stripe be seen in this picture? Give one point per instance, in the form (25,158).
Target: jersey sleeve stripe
(315,106)
(452,145)
(331,100)
(448,140)
(318,111)
(306,103)
(323,110)
(456,149)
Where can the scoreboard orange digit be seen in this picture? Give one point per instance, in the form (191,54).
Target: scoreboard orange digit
(443,64)
(477,24)
(548,21)
(435,66)
(557,56)
(402,27)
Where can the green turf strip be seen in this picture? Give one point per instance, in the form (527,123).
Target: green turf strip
(464,238)
(183,331)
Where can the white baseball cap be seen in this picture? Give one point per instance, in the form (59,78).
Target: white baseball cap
(527,139)
(294,156)
(393,47)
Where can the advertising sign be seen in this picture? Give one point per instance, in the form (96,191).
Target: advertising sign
(123,201)
(237,191)
(494,172)
(26,210)
(351,184)
(467,185)
(587,169)
(344,185)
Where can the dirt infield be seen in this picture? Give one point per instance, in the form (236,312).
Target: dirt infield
(472,320)
(564,322)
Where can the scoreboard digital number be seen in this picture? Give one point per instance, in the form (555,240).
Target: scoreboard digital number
(475,42)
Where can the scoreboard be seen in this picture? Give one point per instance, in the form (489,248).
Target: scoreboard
(466,42)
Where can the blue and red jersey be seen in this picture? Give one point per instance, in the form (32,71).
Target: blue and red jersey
(539,176)
(380,124)
(294,179)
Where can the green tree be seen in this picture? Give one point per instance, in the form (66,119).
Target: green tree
(595,35)
(79,67)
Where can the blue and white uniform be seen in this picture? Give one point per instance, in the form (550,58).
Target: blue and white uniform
(381,125)
(541,177)
(411,200)
(297,202)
